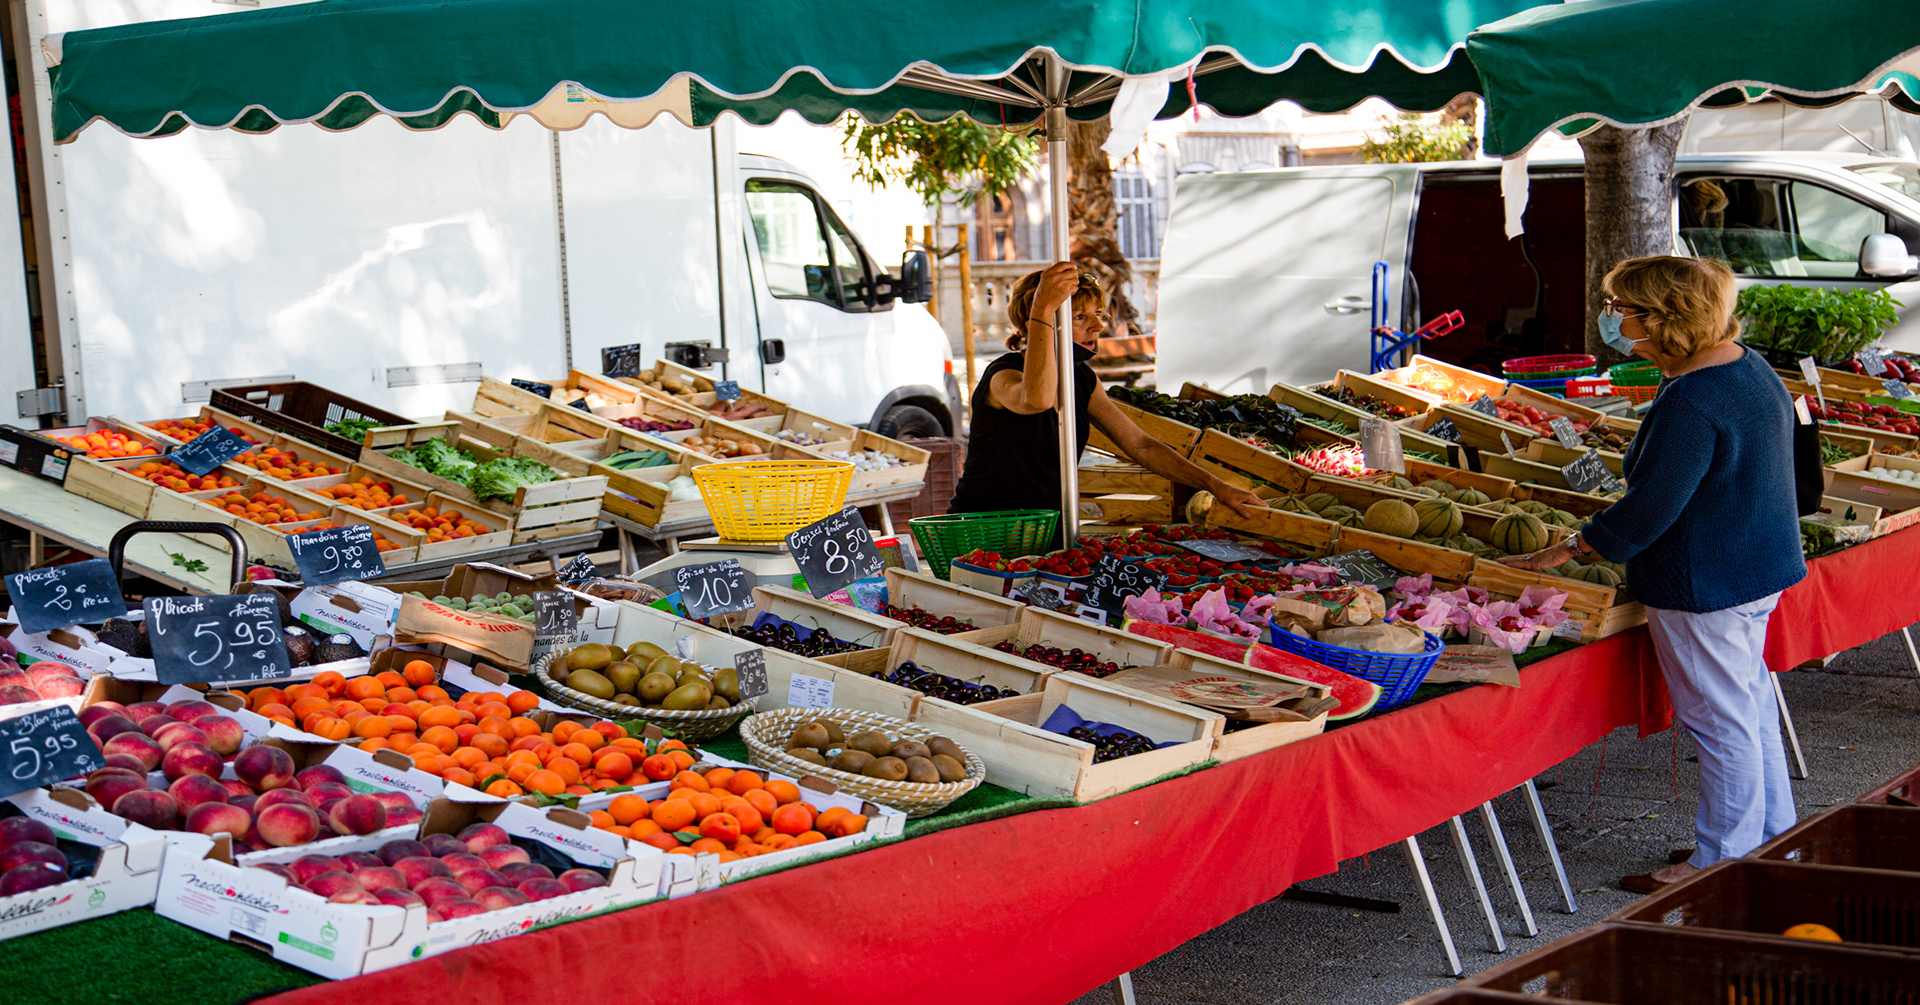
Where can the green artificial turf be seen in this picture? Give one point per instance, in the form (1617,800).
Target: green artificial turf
(139,958)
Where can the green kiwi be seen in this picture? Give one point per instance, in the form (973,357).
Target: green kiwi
(811,736)
(890,769)
(590,682)
(950,769)
(854,761)
(921,769)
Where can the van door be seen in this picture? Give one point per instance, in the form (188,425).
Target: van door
(821,342)
(1774,230)
(1266,276)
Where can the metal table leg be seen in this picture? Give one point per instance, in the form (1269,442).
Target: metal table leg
(1786,720)
(1122,988)
(1912,653)
(1472,867)
(1544,828)
(1498,838)
(1419,864)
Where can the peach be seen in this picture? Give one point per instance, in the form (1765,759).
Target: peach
(476,880)
(460,907)
(109,726)
(357,815)
(13,676)
(309,777)
(141,709)
(308,866)
(433,917)
(355,897)
(193,708)
(151,724)
(275,797)
(15,694)
(279,870)
(31,876)
(418,869)
(126,761)
(192,790)
(244,800)
(329,883)
(324,792)
(59,687)
(219,818)
(394,851)
(504,854)
(242,846)
(264,767)
(374,878)
(107,785)
(398,896)
(287,824)
(100,710)
(173,734)
(582,879)
(237,787)
(16,829)
(519,872)
(406,817)
(479,836)
(463,862)
(357,860)
(20,853)
(496,898)
(543,889)
(442,845)
(435,889)
(223,733)
(394,801)
(148,808)
(191,759)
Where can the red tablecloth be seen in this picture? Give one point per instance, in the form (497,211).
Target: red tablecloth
(1042,906)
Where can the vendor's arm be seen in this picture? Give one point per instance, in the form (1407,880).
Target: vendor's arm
(1035,387)
(1676,450)
(1159,458)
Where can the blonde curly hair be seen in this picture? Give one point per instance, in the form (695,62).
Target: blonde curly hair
(1689,302)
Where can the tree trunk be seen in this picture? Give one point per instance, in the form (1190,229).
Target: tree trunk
(1095,229)
(1629,183)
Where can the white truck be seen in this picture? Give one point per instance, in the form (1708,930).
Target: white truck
(399,267)
(1266,275)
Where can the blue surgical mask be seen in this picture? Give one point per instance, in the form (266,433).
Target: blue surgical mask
(1610,333)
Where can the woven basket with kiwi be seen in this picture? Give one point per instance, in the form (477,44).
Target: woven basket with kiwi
(889,761)
(645,682)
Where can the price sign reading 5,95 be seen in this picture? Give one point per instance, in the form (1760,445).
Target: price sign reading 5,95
(713,588)
(42,747)
(336,554)
(834,552)
(203,639)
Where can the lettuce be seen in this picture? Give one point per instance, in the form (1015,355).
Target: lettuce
(503,478)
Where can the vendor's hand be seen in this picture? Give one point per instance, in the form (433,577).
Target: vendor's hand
(1545,558)
(1237,499)
(1057,286)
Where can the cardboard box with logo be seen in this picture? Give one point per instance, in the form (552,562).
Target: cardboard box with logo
(507,642)
(126,875)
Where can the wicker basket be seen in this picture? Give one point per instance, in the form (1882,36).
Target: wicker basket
(766,736)
(692,727)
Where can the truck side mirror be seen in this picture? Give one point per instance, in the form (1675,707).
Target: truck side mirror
(915,285)
(1885,255)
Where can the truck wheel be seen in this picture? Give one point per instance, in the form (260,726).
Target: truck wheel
(909,420)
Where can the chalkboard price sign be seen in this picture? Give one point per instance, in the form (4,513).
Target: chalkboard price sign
(221,638)
(620,360)
(1224,551)
(42,747)
(209,450)
(726,390)
(834,551)
(1114,581)
(336,554)
(554,615)
(65,595)
(1444,429)
(534,386)
(750,670)
(579,570)
(1896,388)
(1586,472)
(1873,361)
(1362,568)
(714,588)
(1564,432)
(1485,406)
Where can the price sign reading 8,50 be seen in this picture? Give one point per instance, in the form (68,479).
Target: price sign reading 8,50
(834,551)
(203,639)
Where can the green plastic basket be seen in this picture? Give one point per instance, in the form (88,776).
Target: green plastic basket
(1010,533)
(1634,375)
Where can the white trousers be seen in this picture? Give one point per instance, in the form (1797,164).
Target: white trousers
(1722,695)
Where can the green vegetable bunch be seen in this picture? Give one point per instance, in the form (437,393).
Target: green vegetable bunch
(353,429)
(499,478)
(1825,323)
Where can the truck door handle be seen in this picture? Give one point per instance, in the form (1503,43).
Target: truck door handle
(1345,305)
(773,350)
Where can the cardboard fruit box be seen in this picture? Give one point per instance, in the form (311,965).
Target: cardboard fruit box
(950,655)
(126,875)
(1240,739)
(202,887)
(1898,502)
(508,642)
(1021,756)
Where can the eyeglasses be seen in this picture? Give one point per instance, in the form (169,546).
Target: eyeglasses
(1619,308)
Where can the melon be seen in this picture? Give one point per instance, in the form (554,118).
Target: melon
(1502,506)
(1319,501)
(1534,506)
(1597,574)
(1567,569)
(1519,534)
(1397,482)
(1356,696)
(1438,517)
(1461,542)
(1471,497)
(1427,492)
(1440,485)
(1345,516)
(1429,539)
(1293,504)
(1187,638)
(1393,517)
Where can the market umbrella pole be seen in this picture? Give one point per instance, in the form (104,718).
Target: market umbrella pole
(1057,169)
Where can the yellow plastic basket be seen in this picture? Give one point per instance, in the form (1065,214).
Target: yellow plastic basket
(767,500)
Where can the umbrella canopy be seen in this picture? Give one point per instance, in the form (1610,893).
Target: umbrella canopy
(1576,66)
(337,63)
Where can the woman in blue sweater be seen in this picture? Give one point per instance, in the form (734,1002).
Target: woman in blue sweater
(1710,535)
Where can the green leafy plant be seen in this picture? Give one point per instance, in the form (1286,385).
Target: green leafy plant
(958,157)
(189,564)
(1827,324)
(1415,137)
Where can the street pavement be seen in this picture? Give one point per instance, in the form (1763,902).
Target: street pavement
(1616,808)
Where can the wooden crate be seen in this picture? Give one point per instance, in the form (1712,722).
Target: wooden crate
(547,510)
(793,423)
(1494,486)
(1246,465)
(1859,446)
(1831,379)
(1049,628)
(1317,536)
(1101,479)
(1247,739)
(550,424)
(1126,509)
(1413,436)
(1544,475)
(1177,435)
(704,426)
(1391,393)
(264,542)
(1600,610)
(273,546)
(914,471)
(108,483)
(499,528)
(1831,392)
(1469,384)
(1416,556)
(848,624)
(1883,441)
(250,431)
(955,657)
(1021,756)
(1578,503)
(497,397)
(413,491)
(916,589)
(1899,504)
(1551,453)
(636,494)
(557,508)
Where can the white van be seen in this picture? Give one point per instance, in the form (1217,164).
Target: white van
(399,267)
(1266,275)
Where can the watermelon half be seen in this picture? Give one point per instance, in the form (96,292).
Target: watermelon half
(1187,638)
(1356,696)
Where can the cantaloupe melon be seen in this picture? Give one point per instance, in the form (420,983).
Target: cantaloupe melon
(1438,517)
(1534,506)
(1397,482)
(1319,501)
(1471,497)
(1519,534)
(1294,504)
(1597,574)
(1345,516)
(1394,517)
(1440,485)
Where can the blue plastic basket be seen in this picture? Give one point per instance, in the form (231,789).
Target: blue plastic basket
(1397,676)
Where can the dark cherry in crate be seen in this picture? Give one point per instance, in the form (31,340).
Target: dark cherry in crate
(1078,660)
(938,685)
(927,620)
(785,636)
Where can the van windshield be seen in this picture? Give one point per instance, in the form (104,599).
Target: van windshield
(1902,178)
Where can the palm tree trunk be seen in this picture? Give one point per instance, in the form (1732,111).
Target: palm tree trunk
(1629,183)
(1095,226)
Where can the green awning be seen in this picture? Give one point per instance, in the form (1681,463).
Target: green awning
(337,63)
(1572,67)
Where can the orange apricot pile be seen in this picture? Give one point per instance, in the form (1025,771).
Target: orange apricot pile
(186,429)
(442,525)
(364,493)
(106,443)
(732,813)
(285,464)
(484,739)
(170,475)
(261,508)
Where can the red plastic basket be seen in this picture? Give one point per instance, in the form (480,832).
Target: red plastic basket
(1589,387)
(1639,395)
(1542,365)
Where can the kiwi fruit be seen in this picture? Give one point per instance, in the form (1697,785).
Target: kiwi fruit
(726,683)
(624,699)
(855,761)
(558,665)
(810,735)
(718,701)
(949,769)
(835,736)
(809,756)
(689,697)
(873,742)
(664,664)
(592,656)
(920,769)
(654,688)
(624,676)
(889,769)
(644,652)
(590,682)
(940,745)
(908,749)
(691,672)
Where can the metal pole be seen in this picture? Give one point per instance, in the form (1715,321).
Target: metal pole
(1057,127)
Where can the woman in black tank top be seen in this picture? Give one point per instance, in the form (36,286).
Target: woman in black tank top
(1013,446)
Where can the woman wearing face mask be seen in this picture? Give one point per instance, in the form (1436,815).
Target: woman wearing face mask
(1013,446)
(1710,533)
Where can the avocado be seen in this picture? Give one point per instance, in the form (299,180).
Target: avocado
(664,664)
(625,676)
(591,682)
(644,652)
(726,683)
